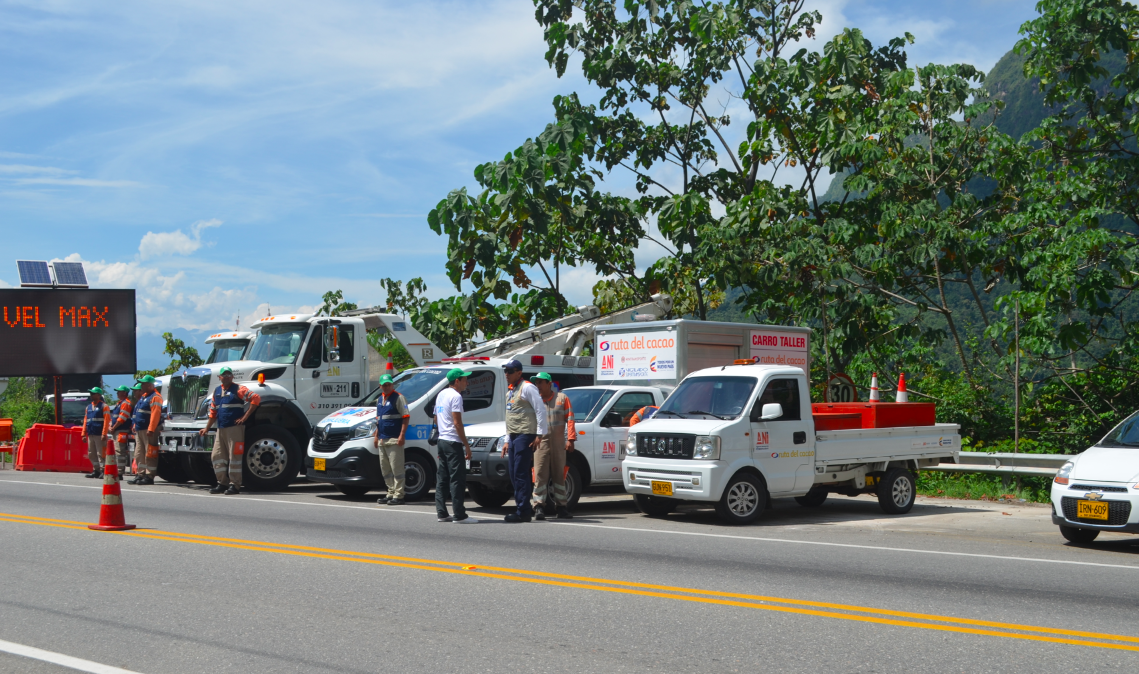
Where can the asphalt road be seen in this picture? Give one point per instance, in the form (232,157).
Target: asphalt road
(310,581)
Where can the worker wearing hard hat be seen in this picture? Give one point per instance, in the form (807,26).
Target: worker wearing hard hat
(392,417)
(550,456)
(525,424)
(119,432)
(146,418)
(96,419)
(227,405)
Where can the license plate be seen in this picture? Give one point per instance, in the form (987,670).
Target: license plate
(1091,510)
(318,464)
(662,488)
(334,389)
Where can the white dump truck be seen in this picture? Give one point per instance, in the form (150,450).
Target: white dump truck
(226,347)
(737,435)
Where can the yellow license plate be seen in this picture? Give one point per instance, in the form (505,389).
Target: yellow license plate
(662,488)
(1091,510)
(318,464)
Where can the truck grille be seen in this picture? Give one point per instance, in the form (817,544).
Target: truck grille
(1118,512)
(666,445)
(480,442)
(1092,487)
(329,441)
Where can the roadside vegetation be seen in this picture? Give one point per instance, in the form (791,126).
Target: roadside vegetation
(21,403)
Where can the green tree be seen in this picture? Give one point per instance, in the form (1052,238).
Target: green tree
(21,403)
(334,304)
(183,357)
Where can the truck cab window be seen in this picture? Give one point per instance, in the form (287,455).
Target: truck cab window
(344,340)
(311,360)
(782,391)
(625,407)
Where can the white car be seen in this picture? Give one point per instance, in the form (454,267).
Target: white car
(1098,490)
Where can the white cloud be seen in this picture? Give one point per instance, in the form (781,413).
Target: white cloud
(29,169)
(174,243)
(78,182)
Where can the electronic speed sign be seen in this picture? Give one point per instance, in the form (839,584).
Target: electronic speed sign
(841,389)
(57,332)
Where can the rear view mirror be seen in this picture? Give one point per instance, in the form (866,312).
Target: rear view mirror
(771,411)
(332,343)
(612,419)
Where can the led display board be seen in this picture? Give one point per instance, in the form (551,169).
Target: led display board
(56,332)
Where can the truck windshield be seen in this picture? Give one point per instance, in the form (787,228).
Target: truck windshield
(587,402)
(279,343)
(1125,434)
(703,397)
(74,410)
(227,350)
(412,385)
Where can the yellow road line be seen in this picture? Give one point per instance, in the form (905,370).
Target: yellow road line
(619,587)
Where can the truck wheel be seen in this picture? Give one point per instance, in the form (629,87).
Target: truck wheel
(813,498)
(743,501)
(199,468)
(353,491)
(1079,536)
(654,506)
(418,474)
(487,497)
(170,469)
(272,458)
(573,491)
(896,492)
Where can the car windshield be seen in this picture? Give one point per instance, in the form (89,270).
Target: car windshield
(1125,434)
(587,402)
(227,350)
(74,410)
(279,343)
(703,397)
(412,385)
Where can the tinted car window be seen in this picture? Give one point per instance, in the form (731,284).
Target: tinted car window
(782,391)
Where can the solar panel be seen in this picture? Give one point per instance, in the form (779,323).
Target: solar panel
(34,273)
(69,274)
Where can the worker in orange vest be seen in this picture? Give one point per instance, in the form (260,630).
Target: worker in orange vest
(120,430)
(147,417)
(96,419)
(550,456)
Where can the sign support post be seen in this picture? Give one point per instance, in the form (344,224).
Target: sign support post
(58,382)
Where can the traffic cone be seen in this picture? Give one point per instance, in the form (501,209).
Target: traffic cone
(111,516)
(874,397)
(902,396)
(390,369)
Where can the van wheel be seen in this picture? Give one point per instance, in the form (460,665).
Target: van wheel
(1079,536)
(654,506)
(813,498)
(487,497)
(272,458)
(170,469)
(199,468)
(743,501)
(418,474)
(353,491)
(573,491)
(896,493)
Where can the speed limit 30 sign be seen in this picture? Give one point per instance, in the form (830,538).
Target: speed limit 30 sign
(841,389)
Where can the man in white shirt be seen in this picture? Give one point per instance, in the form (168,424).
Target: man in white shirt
(453,450)
(525,428)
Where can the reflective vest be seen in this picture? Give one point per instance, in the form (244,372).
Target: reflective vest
(389,421)
(520,414)
(115,412)
(229,406)
(93,419)
(141,415)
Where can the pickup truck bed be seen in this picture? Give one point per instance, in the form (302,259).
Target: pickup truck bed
(877,445)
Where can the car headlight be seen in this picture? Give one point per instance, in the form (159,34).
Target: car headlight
(1064,473)
(365,430)
(502,444)
(631,445)
(707,447)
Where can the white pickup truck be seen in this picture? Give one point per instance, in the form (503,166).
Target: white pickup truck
(601,415)
(738,435)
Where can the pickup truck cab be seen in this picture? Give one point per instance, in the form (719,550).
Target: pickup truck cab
(601,415)
(738,435)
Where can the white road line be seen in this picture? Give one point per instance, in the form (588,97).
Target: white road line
(61,659)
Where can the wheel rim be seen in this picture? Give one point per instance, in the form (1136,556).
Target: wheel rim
(266,458)
(413,477)
(570,486)
(902,492)
(743,499)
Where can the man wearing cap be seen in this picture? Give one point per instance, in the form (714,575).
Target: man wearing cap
(146,418)
(525,424)
(391,428)
(453,450)
(96,419)
(119,432)
(550,457)
(227,405)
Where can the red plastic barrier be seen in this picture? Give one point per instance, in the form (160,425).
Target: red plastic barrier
(836,421)
(882,415)
(5,430)
(53,448)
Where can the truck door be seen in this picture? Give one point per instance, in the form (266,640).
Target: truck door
(613,430)
(780,445)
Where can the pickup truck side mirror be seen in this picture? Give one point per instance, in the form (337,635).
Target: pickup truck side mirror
(771,411)
(612,419)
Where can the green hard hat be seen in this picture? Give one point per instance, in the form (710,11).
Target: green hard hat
(136,387)
(385,379)
(96,390)
(122,388)
(542,375)
(456,374)
(146,379)
(225,370)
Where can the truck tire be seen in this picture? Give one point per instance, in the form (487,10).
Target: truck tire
(353,491)
(573,490)
(170,469)
(487,497)
(743,501)
(654,506)
(896,493)
(418,474)
(813,498)
(272,458)
(199,468)
(1079,536)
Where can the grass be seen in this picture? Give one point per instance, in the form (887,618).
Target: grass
(983,487)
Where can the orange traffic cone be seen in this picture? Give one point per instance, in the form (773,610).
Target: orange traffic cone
(111,516)
(874,397)
(390,369)
(903,396)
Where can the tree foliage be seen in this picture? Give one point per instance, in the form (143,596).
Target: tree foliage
(183,357)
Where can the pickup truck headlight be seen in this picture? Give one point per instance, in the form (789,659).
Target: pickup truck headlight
(631,445)
(365,430)
(707,447)
(1064,472)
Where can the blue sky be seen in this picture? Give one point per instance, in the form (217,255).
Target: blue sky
(228,157)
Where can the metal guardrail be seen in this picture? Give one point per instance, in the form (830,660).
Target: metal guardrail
(1005,463)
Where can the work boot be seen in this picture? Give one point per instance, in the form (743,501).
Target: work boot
(382,500)
(232,491)
(564,513)
(217,488)
(539,513)
(95,473)
(395,501)
(137,479)
(147,480)
(513,518)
